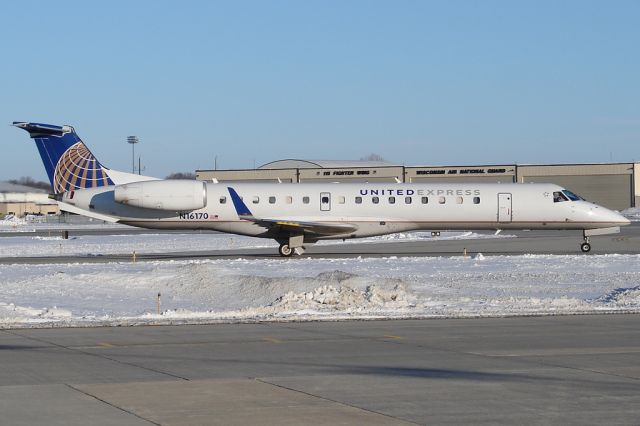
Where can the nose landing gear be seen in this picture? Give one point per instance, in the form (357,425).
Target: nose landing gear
(586,246)
(586,233)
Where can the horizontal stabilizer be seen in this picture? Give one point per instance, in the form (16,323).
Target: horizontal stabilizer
(73,209)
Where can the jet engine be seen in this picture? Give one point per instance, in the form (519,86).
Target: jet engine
(170,195)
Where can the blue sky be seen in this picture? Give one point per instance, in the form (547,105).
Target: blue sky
(418,82)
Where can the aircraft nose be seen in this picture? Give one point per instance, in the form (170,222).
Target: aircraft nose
(616,217)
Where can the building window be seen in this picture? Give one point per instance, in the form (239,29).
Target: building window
(476,200)
(272,200)
(341,199)
(255,199)
(459,200)
(223,199)
(289,199)
(305,200)
(358,200)
(442,200)
(407,200)
(425,200)
(392,200)
(375,200)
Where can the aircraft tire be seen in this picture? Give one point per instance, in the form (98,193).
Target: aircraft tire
(585,247)
(285,250)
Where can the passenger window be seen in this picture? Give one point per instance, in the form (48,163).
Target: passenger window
(425,200)
(392,200)
(305,200)
(407,200)
(358,200)
(255,199)
(559,197)
(459,200)
(289,199)
(272,200)
(442,200)
(476,200)
(375,200)
(223,199)
(341,199)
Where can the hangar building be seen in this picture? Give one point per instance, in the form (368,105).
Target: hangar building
(21,200)
(614,185)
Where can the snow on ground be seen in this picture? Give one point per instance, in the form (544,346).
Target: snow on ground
(311,289)
(160,243)
(124,244)
(12,223)
(633,214)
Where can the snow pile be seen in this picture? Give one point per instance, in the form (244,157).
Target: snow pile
(12,314)
(633,214)
(344,298)
(11,222)
(622,297)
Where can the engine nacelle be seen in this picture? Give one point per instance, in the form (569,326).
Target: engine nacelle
(171,195)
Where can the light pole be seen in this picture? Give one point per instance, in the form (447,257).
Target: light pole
(133,140)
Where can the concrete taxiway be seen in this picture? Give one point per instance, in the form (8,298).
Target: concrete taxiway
(531,242)
(536,370)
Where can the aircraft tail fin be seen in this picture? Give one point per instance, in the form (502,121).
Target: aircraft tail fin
(68,162)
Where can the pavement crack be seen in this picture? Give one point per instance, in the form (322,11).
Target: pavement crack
(586,370)
(130,364)
(111,405)
(333,400)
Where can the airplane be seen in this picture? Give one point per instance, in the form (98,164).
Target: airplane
(299,214)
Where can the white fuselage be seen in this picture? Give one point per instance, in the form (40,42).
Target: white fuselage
(374,208)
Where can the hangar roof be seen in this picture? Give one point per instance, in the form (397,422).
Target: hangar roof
(323,164)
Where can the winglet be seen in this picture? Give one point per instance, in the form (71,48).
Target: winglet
(241,208)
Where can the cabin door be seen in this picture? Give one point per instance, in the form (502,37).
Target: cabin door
(325,201)
(504,207)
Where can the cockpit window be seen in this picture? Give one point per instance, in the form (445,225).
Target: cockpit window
(559,197)
(572,196)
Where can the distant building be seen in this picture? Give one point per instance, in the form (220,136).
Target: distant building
(613,185)
(292,170)
(21,200)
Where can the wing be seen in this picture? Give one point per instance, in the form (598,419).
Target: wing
(318,228)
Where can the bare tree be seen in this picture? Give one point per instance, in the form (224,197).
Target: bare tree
(181,175)
(372,157)
(32,183)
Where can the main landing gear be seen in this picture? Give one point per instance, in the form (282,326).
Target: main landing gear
(286,251)
(291,245)
(586,246)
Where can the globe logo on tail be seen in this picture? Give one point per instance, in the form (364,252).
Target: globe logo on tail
(78,168)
